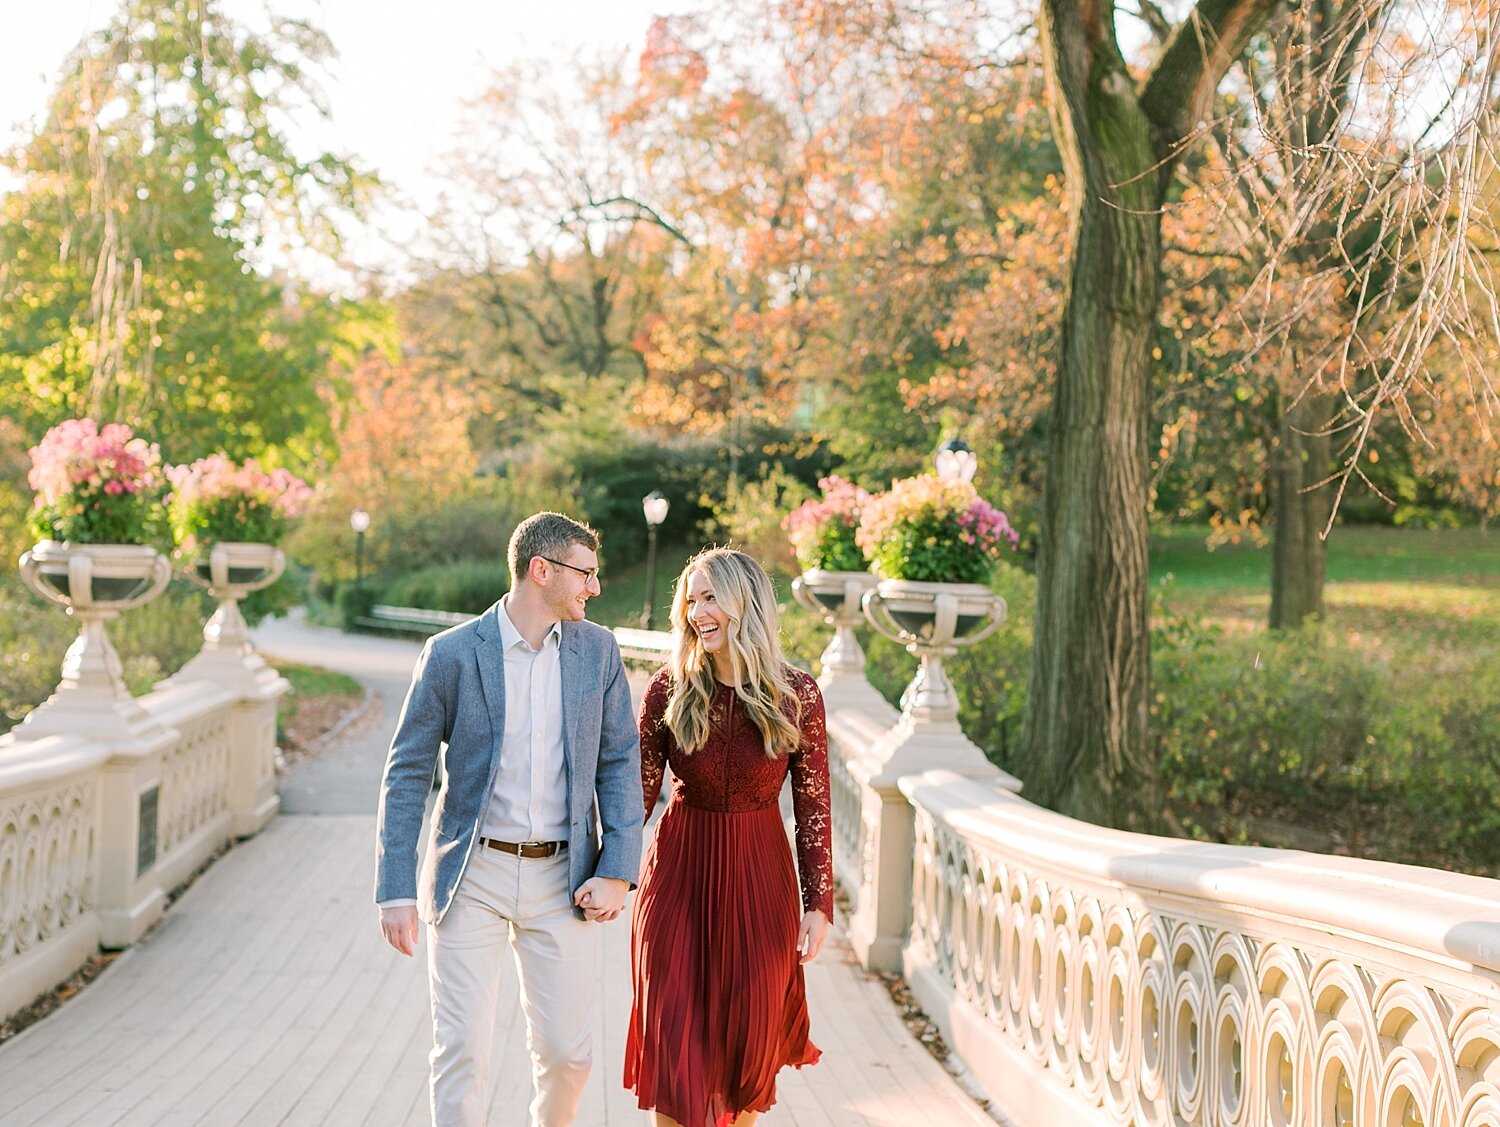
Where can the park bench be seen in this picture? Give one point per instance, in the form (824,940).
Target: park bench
(411,620)
(646,647)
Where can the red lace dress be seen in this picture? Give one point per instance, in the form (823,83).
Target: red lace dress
(720,1005)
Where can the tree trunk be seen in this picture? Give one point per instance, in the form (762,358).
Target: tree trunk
(1300,500)
(1083,747)
(1084,740)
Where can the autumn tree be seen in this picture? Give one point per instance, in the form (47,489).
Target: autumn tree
(546,254)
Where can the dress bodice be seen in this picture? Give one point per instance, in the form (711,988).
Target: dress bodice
(731,772)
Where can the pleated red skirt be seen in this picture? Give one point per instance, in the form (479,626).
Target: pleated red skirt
(720,1005)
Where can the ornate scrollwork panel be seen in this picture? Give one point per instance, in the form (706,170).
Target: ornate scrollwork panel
(194,781)
(47,863)
(1173,1013)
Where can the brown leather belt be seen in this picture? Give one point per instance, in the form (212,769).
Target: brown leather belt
(528,849)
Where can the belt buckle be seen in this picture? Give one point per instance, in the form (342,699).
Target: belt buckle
(536,847)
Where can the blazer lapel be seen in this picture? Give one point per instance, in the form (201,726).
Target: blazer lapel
(570,660)
(490,654)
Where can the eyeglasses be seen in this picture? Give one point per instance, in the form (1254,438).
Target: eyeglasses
(588,573)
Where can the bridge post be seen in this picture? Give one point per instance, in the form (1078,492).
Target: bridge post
(130,897)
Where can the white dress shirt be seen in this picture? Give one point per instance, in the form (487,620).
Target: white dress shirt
(530,798)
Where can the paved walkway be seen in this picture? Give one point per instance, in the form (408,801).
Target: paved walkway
(266,995)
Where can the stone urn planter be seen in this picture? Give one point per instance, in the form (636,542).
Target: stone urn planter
(94,583)
(229,572)
(933,621)
(835,597)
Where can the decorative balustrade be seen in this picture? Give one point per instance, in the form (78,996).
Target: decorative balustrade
(1085,975)
(846,800)
(193,814)
(49,850)
(1117,978)
(97,826)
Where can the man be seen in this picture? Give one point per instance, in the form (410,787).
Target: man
(541,750)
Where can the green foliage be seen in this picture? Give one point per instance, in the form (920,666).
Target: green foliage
(614,477)
(750,519)
(835,550)
(1299,728)
(469,586)
(413,530)
(153,642)
(929,530)
(923,549)
(231,518)
(873,434)
(352,601)
(161,171)
(87,516)
(1268,716)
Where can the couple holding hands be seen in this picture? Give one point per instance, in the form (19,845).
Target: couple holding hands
(536,837)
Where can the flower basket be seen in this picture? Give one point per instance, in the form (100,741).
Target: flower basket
(823,529)
(929,530)
(215,501)
(97,485)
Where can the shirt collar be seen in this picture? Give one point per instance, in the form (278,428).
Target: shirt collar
(509,635)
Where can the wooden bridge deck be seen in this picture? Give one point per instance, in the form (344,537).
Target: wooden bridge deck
(266,995)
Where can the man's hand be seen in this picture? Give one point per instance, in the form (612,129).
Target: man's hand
(399,926)
(601,898)
(811,935)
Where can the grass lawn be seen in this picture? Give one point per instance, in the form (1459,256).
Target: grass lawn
(319,699)
(1391,592)
(622,594)
(1355,554)
(1409,653)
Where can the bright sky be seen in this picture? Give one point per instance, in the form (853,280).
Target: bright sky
(402,67)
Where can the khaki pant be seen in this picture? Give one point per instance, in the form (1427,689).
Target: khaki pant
(508,900)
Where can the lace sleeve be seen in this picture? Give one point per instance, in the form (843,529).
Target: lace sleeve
(811,803)
(654,737)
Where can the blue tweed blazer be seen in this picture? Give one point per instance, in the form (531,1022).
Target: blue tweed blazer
(456,708)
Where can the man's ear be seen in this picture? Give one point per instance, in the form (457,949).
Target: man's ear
(536,571)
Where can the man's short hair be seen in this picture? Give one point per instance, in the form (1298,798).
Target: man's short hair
(545,534)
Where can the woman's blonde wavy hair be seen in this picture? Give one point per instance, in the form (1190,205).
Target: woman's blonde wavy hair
(743,589)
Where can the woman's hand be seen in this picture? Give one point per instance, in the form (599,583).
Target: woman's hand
(811,935)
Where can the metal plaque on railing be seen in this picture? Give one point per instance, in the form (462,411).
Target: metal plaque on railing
(145,848)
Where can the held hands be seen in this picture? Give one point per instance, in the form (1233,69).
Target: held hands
(601,898)
(399,926)
(811,936)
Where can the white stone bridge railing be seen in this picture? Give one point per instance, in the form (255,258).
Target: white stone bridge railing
(1120,978)
(1085,975)
(98,826)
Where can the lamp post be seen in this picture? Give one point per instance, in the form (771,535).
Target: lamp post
(359,520)
(655,507)
(955,461)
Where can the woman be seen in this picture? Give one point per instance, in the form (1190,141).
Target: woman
(716,946)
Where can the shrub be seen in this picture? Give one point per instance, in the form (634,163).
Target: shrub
(1261,719)
(352,601)
(750,519)
(411,533)
(469,586)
